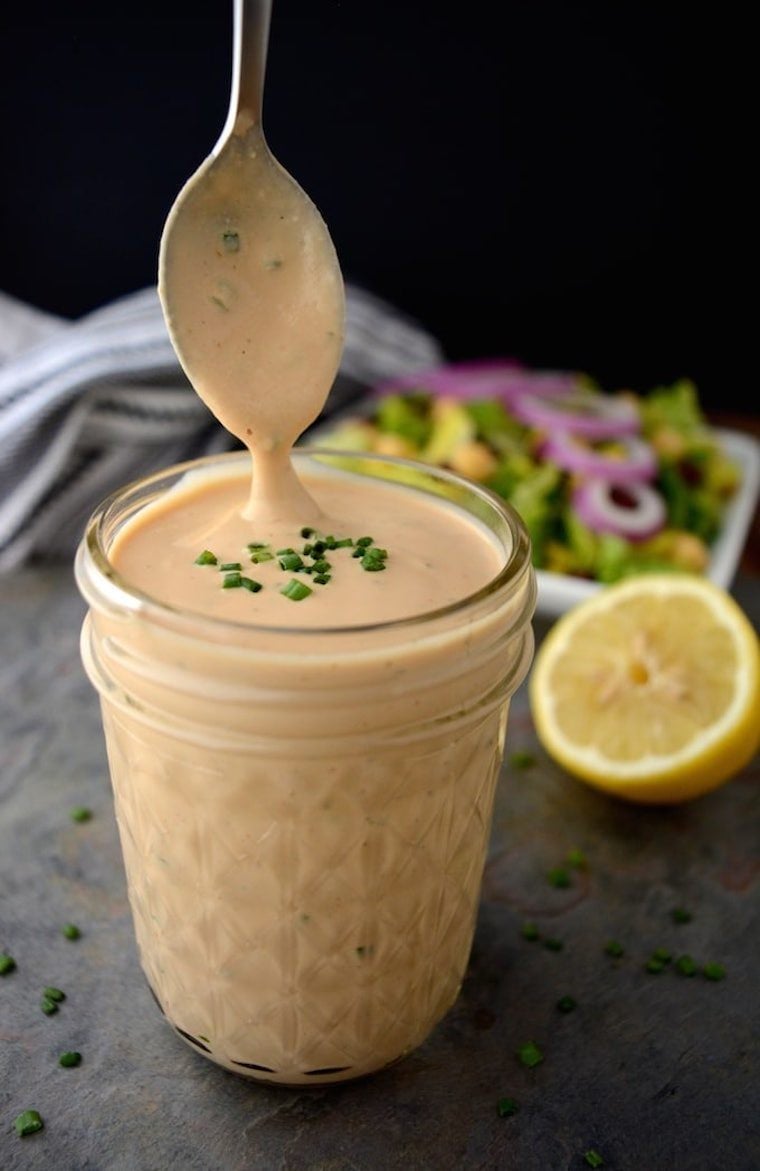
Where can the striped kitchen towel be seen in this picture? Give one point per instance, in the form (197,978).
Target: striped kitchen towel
(89,405)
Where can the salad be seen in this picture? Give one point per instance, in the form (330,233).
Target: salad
(608,484)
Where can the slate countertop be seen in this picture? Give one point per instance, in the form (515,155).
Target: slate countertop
(651,1071)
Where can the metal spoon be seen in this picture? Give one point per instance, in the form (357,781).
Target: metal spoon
(248,279)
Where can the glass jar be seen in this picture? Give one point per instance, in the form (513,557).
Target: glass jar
(304,814)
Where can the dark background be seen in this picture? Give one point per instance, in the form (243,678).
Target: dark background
(531,178)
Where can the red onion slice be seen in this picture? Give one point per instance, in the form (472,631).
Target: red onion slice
(498,378)
(594,415)
(636,466)
(633,511)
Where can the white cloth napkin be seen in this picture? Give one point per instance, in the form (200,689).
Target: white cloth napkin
(89,405)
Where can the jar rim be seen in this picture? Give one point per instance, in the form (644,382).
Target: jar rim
(121,592)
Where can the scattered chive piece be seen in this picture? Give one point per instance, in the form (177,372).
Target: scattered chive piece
(686,966)
(372,564)
(506,1107)
(344,543)
(530,931)
(318,548)
(322,578)
(559,877)
(522,759)
(230,567)
(358,551)
(54,994)
(553,944)
(296,590)
(69,1059)
(529,1054)
(260,555)
(231,241)
(654,966)
(7,963)
(577,859)
(593,1158)
(306,532)
(365,542)
(249,584)
(206,558)
(321,566)
(290,561)
(28,1123)
(714,972)
(662,954)
(614,949)
(566,1004)
(48,1006)
(253,545)
(284,552)
(80,813)
(679,915)
(232,581)
(70,931)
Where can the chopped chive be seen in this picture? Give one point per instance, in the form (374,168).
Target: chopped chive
(54,994)
(654,966)
(290,561)
(529,1054)
(559,877)
(321,566)
(307,549)
(28,1123)
(614,949)
(296,590)
(307,532)
(553,944)
(322,578)
(249,584)
(231,241)
(70,931)
(522,759)
(206,558)
(330,542)
(593,1158)
(372,564)
(358,552)
(662,954)
(714,972)
(530,931)
(318,548)
(365,542)
(679,915)
(261,555)
(7,963)
(284,552)
(70,1059)
(344,543)
(577,859)
(252,546)
(506,1107)
(232,581)
(48,1006)
(80,813)
(230,567)
(566,1004)
(685,966)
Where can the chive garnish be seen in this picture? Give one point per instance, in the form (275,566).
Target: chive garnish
(70,931)
(232,581)
(284,552)
(261,555)
(593,1158)
(28,1123)
(296,590)
(80,813)
(372,564)
(253,545)
(70,1059)
(714,972)
(230,567)
(529,1054)
(577,859)
(318,548)
(54,994)
(662,954)
(685,966)
(307,532)
(365,542)
(48,1006)
(566,1004)
(506,1107)
(7,963)
(614,949)
(358,552)
(321,566)
(530,931)
(522,759)
(654,966)
(206,558)
(679,915)
(290,561)
(559,877)
(343,543)
(249,584)
(322,578)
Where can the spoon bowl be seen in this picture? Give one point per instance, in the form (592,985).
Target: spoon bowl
(248,279)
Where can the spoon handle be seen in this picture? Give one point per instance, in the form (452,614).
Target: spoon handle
(250,38)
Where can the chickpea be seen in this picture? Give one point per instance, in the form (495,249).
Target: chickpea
(668,442)
(689,552)
(474,460)
(387,443)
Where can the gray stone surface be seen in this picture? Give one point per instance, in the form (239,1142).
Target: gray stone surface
(653,1072)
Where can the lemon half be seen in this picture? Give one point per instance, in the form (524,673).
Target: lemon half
(650,689)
